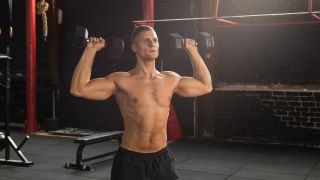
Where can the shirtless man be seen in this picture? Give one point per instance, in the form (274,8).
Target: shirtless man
(143,95)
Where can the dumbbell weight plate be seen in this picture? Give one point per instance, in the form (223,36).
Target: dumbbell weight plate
(78,38)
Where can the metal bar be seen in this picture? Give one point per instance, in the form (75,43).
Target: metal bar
(79,153)
(17,151)
(310,4)
(10,12)
(216,8)
(310,8)
(99,156)
(15,163)
(23,142)
(228,17)
(195,119)
(273,24)
(8,115)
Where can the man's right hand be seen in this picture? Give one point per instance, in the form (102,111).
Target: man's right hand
(96,43)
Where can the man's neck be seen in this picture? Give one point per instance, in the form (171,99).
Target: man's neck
(146,68)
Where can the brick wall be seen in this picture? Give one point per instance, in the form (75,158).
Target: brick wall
(296,109)
(271,115)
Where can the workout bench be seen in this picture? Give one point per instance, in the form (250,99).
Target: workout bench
(93,139)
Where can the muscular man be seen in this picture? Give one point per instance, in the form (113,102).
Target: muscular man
(143,95)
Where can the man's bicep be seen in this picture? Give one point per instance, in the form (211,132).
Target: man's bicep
(102,84)
(188,87)
(100,88)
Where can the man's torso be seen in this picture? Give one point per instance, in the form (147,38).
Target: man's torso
(144,105)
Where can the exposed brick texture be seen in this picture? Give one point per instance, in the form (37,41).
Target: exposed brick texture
(264,116)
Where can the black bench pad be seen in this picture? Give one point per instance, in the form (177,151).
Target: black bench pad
(100,137)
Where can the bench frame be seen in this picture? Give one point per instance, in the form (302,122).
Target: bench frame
(93,139)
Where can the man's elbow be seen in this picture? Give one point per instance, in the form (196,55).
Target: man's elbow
(208,89)
(75,92)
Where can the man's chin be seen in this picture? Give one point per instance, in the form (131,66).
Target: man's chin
(151,58)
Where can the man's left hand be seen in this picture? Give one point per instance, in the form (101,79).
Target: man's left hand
(190,45)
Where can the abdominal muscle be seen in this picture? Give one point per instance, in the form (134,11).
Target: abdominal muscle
(144,127)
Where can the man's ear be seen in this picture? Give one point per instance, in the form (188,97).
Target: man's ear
(133,47)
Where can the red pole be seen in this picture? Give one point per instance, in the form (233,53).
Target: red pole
(148,11)
(216,8)
(31,120)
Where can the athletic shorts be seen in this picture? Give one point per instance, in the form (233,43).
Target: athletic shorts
(129,165)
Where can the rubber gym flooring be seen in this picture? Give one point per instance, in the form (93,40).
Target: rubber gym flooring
(195,160)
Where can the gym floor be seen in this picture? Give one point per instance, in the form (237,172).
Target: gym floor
(195,160)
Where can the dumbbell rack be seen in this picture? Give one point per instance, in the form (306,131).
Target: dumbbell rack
(7,141)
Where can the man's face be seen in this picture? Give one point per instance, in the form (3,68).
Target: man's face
(146,45)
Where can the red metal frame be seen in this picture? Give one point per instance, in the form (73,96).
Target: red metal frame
(310,5)
(31,119)
(232,23)
(216,13)
(229,23)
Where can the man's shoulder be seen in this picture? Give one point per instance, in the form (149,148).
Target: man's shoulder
(117,75)
(170,73)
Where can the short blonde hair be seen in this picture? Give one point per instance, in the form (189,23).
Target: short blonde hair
(138,29)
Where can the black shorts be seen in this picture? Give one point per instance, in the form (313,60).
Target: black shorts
(129,165)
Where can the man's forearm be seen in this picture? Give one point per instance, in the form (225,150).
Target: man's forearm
(82,73)
(200,70)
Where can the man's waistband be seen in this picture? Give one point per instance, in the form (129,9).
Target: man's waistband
(143,155)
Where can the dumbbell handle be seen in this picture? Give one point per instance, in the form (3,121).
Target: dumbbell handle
(115,46)
(88,41)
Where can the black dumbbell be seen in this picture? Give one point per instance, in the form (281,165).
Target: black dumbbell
(176,41)
(2,80)
(3,141)
(204,41)
(78,38)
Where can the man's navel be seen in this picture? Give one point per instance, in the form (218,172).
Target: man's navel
(135,100)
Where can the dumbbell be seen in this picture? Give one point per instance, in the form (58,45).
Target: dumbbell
(204,41)
(3,141)
(78,38)
(6,32)
(2,80)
